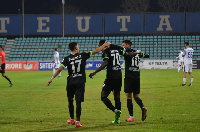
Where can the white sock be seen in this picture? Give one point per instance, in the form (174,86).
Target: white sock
(179,68)
(184,80)
(191,80)
(115,110)
(131,117)
(54,70)
(77,121)
(59,74)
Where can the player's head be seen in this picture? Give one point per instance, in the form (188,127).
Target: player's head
(101,42)
(1,47)
(126,44)
(179,50)
(55,50)
(186,44)
(73,46)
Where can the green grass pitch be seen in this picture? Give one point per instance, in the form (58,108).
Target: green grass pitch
(30,106)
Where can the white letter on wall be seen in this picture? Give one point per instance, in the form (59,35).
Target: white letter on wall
(3,24)
(166,23)
(123,18)
(87,23)
(41,24)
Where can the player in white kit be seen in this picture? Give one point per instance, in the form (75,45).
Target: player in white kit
(56,62)
(187,54)
(180,60)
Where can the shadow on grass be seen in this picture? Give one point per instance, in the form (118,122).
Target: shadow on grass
(100,127)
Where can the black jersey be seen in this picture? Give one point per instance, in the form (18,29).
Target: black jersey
(113,69)
(76,67)
(132,69)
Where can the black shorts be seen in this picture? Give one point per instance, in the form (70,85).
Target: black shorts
(76,89)
(132,85)
(112,85)
(2,68)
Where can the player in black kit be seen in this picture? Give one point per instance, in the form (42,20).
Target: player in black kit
(76,79)
(113,81)
(132,79)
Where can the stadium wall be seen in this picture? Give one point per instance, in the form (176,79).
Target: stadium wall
(101,24)
(93,65)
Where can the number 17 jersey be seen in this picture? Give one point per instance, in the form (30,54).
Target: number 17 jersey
(76,67)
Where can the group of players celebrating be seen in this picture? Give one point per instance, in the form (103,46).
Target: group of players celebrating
(76,79)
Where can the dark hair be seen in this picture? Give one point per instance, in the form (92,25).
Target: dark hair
(101,42)
(180,49)
(72,45)
(127,42)
(55,49)
(1,46)
(187,43)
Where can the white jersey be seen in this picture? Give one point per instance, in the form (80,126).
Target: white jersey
(188,55)
(56,55)
(180,57)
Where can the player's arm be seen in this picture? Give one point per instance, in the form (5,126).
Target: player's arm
(0,62)
(116,47)
(103,65)
(143,55)
(54,75)
(52,61)
(97,50)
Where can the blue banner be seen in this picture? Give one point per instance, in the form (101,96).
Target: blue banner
(123,23)
(83,24)
(43,24)
(193,22)
(11,25)
(90,65)
(164,23)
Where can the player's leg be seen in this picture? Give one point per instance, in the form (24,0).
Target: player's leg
(70,95)
(116,84)
(191,76)
(129,106)
(79,96)
(3,74)
(106,101)
(58,65)
(185,69)
(179,65)
(140,103)
(54,68)
(128,89)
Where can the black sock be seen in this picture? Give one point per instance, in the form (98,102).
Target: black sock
(117,104)
(139,102)
(6,77)
(107,102)
(78,110)
(71,109)
(130,106)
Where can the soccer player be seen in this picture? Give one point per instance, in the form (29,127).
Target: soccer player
(132,78)
(76,79)
(187,54)
(180,60)
(2,65)
(56,62)
(113,81)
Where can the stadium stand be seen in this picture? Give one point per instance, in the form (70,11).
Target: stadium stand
(42,49)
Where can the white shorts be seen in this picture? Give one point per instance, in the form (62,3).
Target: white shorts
(180,62)
(187,68)
(55,65)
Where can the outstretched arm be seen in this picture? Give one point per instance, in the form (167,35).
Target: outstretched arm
(54,75)
(103,65)
(97,50)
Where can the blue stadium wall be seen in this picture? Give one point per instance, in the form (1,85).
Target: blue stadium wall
(99,24)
